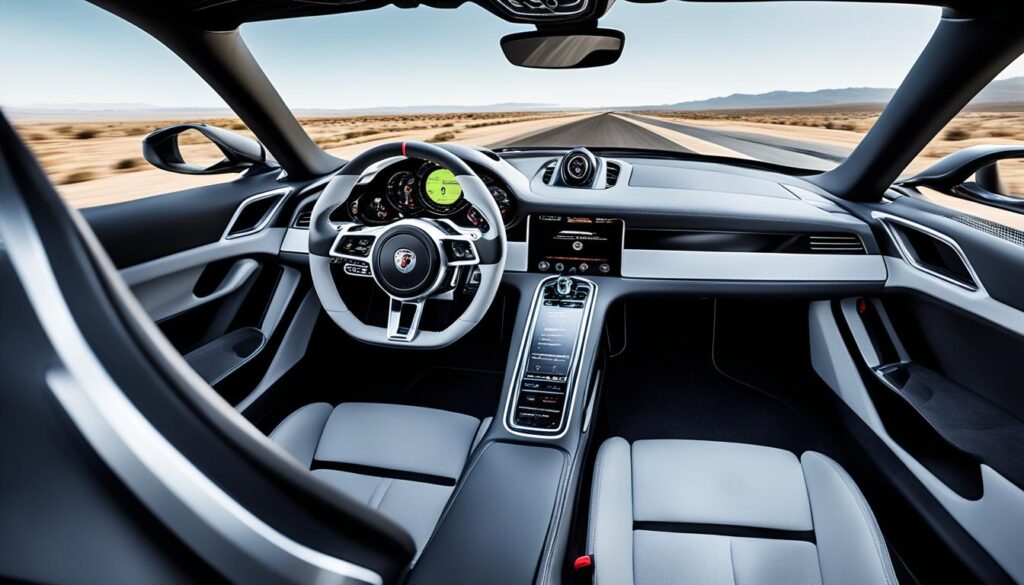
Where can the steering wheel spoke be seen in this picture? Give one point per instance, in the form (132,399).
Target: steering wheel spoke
(404,319)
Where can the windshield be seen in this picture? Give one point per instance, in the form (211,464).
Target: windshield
(795,84)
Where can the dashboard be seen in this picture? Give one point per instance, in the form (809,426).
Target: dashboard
(418,188)
(642,216)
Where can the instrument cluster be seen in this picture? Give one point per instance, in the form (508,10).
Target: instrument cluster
(416,188)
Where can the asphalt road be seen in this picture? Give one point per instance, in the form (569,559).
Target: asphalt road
(603,130)
(606,130)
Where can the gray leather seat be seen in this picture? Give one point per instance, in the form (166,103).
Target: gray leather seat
(402,460)
(709,513)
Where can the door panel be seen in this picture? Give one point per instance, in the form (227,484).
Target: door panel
(933,367)
(204,264)
(136,231)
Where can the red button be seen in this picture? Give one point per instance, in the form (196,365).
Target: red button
(583,562)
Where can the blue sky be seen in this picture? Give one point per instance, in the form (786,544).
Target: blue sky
(68,51)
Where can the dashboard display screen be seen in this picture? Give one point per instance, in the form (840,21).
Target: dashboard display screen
(575,245)
(442,188)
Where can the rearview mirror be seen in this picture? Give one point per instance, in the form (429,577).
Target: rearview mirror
(541,50)
(210,150)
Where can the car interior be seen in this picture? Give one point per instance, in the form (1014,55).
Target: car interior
(444,364)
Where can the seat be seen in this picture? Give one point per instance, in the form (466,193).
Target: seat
(402,460)
(710,513)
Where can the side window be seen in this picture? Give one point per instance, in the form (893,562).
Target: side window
(84,112)
(994,118)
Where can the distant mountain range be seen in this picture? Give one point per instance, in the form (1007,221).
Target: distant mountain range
(1009,90)
(1001,91)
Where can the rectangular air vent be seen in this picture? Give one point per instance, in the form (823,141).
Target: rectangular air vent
(304,215)
(611,173)
(931,252)
(549,171)
(302,220)
(835,244)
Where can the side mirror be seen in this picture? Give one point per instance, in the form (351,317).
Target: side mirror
(542,50)
(952,175)
(205,145)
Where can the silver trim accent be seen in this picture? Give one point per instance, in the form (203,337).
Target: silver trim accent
(281,193)
(572,381)
(886,219)
(239,544)
(752,266)
(588,414)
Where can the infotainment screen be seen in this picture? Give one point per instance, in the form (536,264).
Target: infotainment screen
(554,341)
(575,245)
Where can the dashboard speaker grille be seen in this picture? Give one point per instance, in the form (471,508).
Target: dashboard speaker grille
(990,227)
(835,244)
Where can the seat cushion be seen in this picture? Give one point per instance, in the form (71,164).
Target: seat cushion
(403,461)
(399,438)
(708,513)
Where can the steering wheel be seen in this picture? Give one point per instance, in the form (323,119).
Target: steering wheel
(412,259)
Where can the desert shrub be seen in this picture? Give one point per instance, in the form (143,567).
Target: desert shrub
(443,137)
(1000,133)
(359,134)
(87,133)
(128,163)
(957,134)
(237,126)
(78,177)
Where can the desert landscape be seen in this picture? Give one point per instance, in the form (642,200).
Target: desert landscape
(98,162)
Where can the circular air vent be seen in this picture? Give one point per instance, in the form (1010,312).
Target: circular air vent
(578,167)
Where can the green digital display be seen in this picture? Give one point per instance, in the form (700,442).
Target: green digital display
(442,188)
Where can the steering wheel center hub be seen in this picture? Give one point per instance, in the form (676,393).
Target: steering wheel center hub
(406,262)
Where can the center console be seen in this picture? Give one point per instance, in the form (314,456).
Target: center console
(546,373)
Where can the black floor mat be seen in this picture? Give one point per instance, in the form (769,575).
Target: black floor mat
(472,392)
(666,385)
(464,377)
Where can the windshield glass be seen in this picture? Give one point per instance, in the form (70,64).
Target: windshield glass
(796,84)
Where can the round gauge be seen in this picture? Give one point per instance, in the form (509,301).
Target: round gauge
(504,202)
(440,190)
(402,192)
(375,210)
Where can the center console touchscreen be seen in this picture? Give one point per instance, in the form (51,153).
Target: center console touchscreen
(545,377)
(563,244)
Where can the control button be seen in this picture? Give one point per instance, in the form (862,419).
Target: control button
(605,268)
(577,245)
(559,267)
(355,245)
(356,268)
(584,267)
(543,265)
(459,251)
